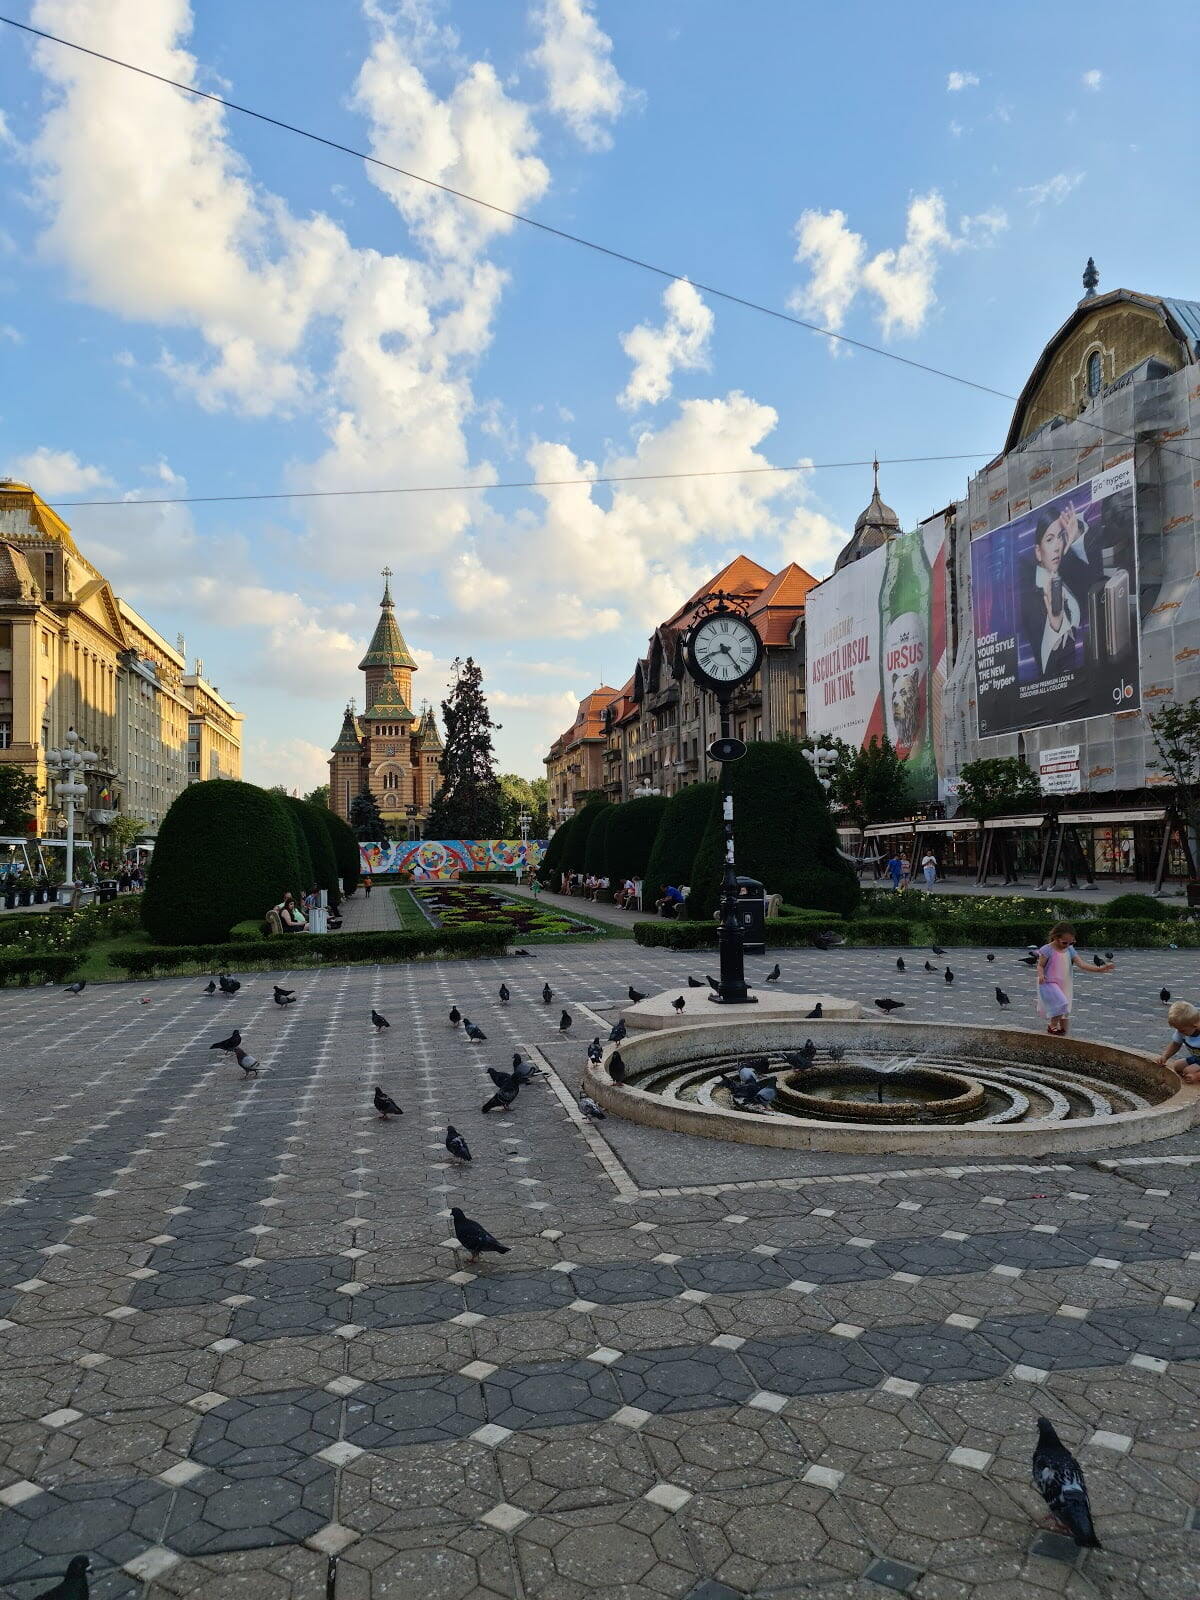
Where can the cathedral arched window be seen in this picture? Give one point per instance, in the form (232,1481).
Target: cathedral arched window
(1095,373)
(391,780)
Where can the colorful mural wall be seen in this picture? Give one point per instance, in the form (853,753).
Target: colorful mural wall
(430,859)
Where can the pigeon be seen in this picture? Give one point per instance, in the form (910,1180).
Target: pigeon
(1001,997)
(678,1003)
(1108,955)
(712,983)
(547,994)
(516,1060)
(522,953)
(565,1021)
(817,1012)
(385,1105)
(837,1052)
(991,957)
(899,963)
(694,983)
(634,994)
(228,1045)
(948,975)
(455,1016)
(76,988)
(1165,996)
(210,987)
(379,1022)
(502,1099)
(618,1031)
(590,1109)
(937,949)
(505,997)
(228,985)
(246,1061)
(827,941)
(284,997)
(800,1060)
(616,1067)
(773,975)
(476,1035)
(74,1586)
(929,967)
(474,1237)
(1098,960)
(1058,1478)
(504,1080)
(1029,961)
(890,1005)
(595,1050)
(456,1144)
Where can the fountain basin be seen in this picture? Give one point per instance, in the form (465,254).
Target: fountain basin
(1044,1095)
(874,1099)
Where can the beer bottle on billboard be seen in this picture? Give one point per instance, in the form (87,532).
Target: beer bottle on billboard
(905,613)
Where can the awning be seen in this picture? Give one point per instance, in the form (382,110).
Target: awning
(1017,822)
(1150,814)
(888,830)
(954,825)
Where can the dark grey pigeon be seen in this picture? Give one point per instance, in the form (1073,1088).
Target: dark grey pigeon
(476,1035)
(74,1586)
(1058,1478)
(501,1100)
(590,1109)
(380,1023)
(547,993)
(595,1050)
(474,1237)
(455,1016)
(505,996)
(635,994)
(246,1061)
(616,1067)
(284,997)
(694,983)
(890,1005)
(773,975)
(899,963)
(618,1031)
(1001,998)
(817,1012)
(385,1105)
(210,987)
(228,1045)
(565,1021)
(76,988)
(456,1144)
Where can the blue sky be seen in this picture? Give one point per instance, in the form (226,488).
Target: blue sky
(193,303)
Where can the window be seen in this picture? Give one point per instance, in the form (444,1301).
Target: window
(5,635)
(1095,373)
(5,685)
(48,558)
(5,735)
(45,643)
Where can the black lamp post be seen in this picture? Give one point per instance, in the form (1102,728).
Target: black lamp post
(722,651)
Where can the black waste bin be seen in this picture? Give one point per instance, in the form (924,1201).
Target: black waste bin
(752,915)
(106,890)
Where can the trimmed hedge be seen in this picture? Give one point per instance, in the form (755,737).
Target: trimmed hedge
(251,931)
(1142,907)
(344,844)
(632,830)
(554,861)
(320,851)
(225,852)
(680,830)
(595,853)
(575,849)
(308,949)
(304,860)
(782,933)
(43,966)
(878,930)
(784,833)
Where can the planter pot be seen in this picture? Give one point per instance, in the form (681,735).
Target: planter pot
(1193,891)
(41,896)
(10,899)
(25,897)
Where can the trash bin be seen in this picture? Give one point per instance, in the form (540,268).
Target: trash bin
(752,915)
(106,890)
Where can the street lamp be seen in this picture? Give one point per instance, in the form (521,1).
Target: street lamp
(822,760)
(524,822)
(73,763)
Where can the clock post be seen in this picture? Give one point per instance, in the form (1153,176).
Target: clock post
(722,651)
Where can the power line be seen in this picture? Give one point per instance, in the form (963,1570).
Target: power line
(548,228)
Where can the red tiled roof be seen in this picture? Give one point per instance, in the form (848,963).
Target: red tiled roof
(775,611)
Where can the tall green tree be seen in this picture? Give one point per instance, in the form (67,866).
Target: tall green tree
(528,796)
(365,817)
(680,830)
(867,783)
(468,804)
(993,786)
(1176,732)
(18,800)
(318,796)
(595,857)
(630,837)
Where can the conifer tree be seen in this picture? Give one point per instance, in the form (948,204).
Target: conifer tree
(365,817)
(468,805)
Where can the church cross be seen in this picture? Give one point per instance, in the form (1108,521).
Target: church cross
(386,572)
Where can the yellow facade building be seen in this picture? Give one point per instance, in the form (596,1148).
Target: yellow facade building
(74,655)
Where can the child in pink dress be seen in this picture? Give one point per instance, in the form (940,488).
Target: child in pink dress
(1056,963)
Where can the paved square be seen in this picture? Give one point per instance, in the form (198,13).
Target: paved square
(240,1355)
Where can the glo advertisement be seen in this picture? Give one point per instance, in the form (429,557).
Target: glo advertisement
(1054,595)
(876,652)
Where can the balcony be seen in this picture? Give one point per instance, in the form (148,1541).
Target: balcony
(748,698)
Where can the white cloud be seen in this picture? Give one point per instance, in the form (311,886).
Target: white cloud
(681,342)
(1055,189)
(902,280)
(11,334)
(1092,79)
(297,764)
(582,85)
(56,472)
(958,81)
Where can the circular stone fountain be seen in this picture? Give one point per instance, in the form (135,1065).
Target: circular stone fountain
(896,1087)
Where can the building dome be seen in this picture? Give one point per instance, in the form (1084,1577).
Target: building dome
(874,527)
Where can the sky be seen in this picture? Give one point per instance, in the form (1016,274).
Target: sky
(193,303)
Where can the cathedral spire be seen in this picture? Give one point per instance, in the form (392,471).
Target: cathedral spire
(387,647)
(348,738)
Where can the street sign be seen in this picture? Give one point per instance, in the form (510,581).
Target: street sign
(726,750)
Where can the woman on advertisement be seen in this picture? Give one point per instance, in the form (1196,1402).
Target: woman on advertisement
(1050,612)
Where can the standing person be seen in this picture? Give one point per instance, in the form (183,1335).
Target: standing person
(895,870)
(929,869)
(1056,963)
(366,883)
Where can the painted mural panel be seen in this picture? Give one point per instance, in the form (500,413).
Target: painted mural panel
(430,860)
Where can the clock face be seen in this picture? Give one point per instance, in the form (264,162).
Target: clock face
(725,648)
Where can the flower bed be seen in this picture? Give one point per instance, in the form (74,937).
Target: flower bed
(450,905)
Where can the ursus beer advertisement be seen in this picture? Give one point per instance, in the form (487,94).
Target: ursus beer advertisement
(1054,595)
(876,642)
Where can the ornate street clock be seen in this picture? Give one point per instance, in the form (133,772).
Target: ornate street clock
(723,651)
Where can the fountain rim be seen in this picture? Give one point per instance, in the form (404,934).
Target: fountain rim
(1170,1116)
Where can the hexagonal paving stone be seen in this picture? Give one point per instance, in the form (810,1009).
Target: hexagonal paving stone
(933,1354)
(407,1304)
(733,1274)
(241,1510)
(817,1364)
(112,1520)
(519,1291)
(685,1378)
(402,1411)
(550,1394)
(832,1265)
(267,1429)
(1169,1334)
(626,1281)
(1051,1343)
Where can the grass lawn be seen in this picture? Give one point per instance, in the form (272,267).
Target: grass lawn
(412,918)
(94,964)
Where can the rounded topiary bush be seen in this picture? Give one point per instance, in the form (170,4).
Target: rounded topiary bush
(575,849)
(304,860)
(225,853)
(595,853)
(1134,905)
(783,835)
(680,830)
(632,830)
(324,873)
(344,845)
(553,861)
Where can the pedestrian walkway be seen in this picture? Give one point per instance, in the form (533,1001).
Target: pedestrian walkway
(375,915)
(576,906)
(1103,889)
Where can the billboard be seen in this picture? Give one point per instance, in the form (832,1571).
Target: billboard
(432,860)
(876,647)
(1054,597)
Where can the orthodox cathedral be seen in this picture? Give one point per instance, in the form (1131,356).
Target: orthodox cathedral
(387,748)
